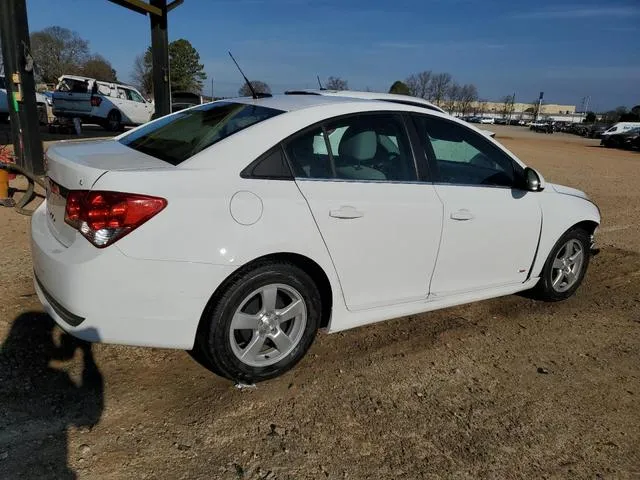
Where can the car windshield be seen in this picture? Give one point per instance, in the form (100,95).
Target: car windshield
(177,137)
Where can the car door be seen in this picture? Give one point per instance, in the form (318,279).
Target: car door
(491,225)
(123,104)
(143,110)
(381,226)
(134,110)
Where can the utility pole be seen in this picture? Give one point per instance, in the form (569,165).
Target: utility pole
(19,69)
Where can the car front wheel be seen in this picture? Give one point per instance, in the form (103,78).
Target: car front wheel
(261,325)
(565,267)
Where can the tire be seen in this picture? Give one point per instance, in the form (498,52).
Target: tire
(553,286)
(269,346)
(114,121)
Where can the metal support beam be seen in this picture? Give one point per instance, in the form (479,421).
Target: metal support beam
(21,88)
(160,56)
(174,4)
(138,6)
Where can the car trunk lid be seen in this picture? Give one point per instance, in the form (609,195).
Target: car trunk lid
(77,166)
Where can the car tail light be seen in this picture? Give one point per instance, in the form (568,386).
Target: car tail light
(96,101)
(104,217)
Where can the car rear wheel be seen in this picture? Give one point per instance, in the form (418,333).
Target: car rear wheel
(261,325)
(114,121)
(565,267)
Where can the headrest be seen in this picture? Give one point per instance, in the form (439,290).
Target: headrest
(361,146)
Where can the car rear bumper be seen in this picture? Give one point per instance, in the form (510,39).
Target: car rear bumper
(101,295)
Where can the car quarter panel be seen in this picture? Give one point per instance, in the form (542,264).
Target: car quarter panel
(213,219)
(560,212)
(122,300)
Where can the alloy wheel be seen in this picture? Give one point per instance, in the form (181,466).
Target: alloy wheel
(268,325)
(567,266)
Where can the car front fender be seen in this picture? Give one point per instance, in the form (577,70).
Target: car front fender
(561,212)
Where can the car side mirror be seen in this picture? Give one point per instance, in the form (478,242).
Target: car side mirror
(533,180)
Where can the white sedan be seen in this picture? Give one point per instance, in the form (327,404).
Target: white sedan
(237,229)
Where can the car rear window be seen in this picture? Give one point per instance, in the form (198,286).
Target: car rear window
(177,137)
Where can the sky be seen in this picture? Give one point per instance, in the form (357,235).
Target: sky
(568,49)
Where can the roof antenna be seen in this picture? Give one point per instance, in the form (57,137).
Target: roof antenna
(319,82)
(253,92)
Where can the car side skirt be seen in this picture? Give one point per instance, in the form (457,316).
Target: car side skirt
(367,317)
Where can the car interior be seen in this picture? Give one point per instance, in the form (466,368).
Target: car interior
(367,149)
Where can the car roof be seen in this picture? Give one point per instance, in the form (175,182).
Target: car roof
(290,103)
(392,97)
(102,82)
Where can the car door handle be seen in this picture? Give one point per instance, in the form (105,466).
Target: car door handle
(346,212)
(463,214)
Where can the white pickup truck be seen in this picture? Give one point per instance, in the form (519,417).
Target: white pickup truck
(111,105)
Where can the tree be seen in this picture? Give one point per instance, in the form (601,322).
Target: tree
(508,105)
(336,83)
(631,116)
(187,73)
(452,97)
(590,117)
(400,88)
(440,84)
(58,51)
(99,68)
(258,86)
(419,84)
(141,76)
(467,95)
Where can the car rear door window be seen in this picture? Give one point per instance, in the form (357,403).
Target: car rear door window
(367,147)
(462,156)
(179,136)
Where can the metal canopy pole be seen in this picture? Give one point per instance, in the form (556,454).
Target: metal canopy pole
(160,55)
(157,11)
(21,87)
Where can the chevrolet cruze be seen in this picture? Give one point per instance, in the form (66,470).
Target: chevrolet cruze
(238,228)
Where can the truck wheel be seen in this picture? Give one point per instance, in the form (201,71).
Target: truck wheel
(114,121)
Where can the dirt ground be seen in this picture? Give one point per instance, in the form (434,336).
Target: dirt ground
(506,388)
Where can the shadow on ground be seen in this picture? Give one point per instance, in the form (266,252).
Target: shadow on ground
(39,402)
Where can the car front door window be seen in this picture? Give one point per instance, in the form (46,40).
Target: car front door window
(464,157)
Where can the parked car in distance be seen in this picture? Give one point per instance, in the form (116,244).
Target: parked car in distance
(596,131)
(236,229)
(4,101)
(41,103)
(487,120)
(544,126)
(619,127)
(626,139)
(111,105)
(384,97)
